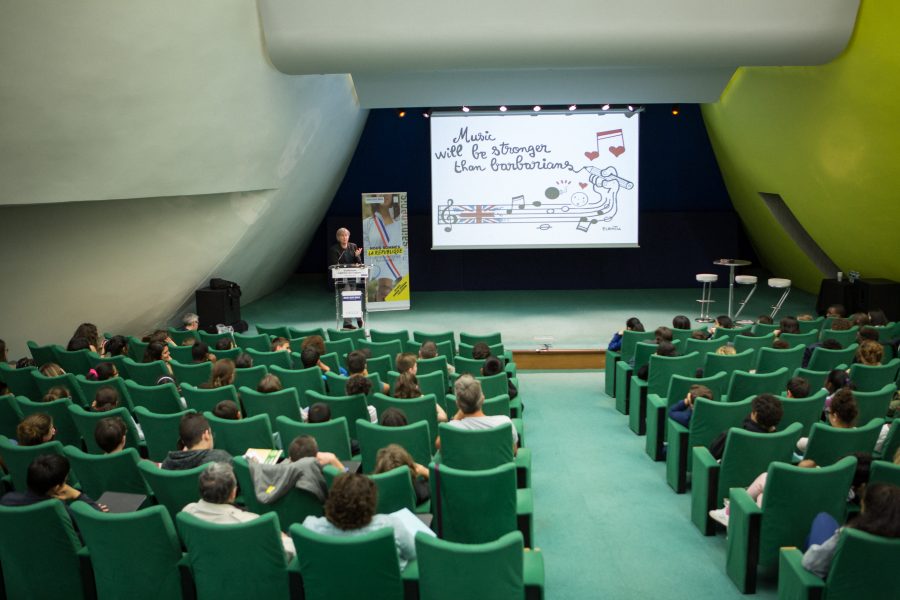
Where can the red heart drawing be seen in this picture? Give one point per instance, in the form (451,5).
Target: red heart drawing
(592,155)
(617,151)
(583,185)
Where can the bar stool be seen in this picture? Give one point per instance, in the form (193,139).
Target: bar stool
(744,280)
(707,279)
(779,284)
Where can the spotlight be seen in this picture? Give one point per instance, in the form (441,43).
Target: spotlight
(503,108)
(631,108)
(465,109)
(573,107)
(401,112)
(427,113)
(604,107)
(537,108)
(675,110)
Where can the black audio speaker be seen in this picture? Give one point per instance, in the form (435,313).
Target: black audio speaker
(217,306)
(880,293)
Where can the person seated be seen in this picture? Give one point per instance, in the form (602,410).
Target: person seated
(492,366)
(699,334)
(227,409)
(160,335)
(681,411)
(393,417)
(764,320)
(218,489)
(878,318)
(828,344)
(869,353)
(860,319)
(281,344)
(867,333)
(305,446)
(428,349)
(469,402)
(788,324)
(407,386)
(723,322)
(840,325)
(837,379)
(269,383)
(195,443)
(765,413)
(200,353)
(663,334)
(47,479)
(357,364)
(841,414)
(243,361)
(51,370)
(350,511)
(632,324)
(106,399)
(780,344)
(35,429)
(55,393)
(392,456)
(320,412)
(681,322)
(406,362)
(225,343)
(103,371)
(117,345)
(480,351)
(160,351)
(222,374)
(879,515)
(797,387)
(836,310)
(360,384)
(111,434)
(190,322)
(662,349)
(805,317)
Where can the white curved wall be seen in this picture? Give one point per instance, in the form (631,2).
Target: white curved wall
(145,147)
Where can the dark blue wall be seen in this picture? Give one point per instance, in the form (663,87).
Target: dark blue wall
(686,217)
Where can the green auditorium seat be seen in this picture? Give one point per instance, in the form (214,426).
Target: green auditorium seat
(483,449)
(201,399)
(10,416)
(42,354)
(389,348)
(386,336)
(163,398)
(259,342)
(772,359)
(828,444)
(824,359)
(813,325)
(194,373)
(353,335)
(145,373)
(17,459)
(415,409)
(745,342)
(20,381)
(342,347)
(805,411)
(183,354)
(729,363)
(882,471)
(438,338)
(624,372)
(331,436)
(274,330)
(179,335)
(172,489)
(58,410)
(235,437)
(296,332)
(414,438)
(351,407)
(249,376)
(625,353)
(867,378)
(800,339)
(284,402)
(744,385)
(280,358)
(66,380)
(99,473)
(874,404)
(292,507)
(160,431)
(844,337)
(76,362)
(395,490)
(301,380)
(661,370)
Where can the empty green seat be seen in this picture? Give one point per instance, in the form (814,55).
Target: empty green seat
(331,436)
(42,354)
(146,373)
(274,330)
(844,337)
(805,411)
(235,437)
(389,348)
(183,354)
(380,365)
(66,380)
(353,335)
(437,338)
(299,332)
(867,378)
(874,404)
(746,342)
(624,371)
(281,358)
(202,399)
(625,353)
(812,325)
(163,398)
(260,342)
(378,335)
(249,376)
(301,380)
(744,385)
(193,373)
(800,339)
(342,347)
(274,404)
(77,362)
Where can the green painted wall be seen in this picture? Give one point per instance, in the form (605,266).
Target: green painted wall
(827,139)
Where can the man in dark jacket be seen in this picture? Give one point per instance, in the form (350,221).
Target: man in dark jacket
(765,413)
(46,480)
(196,441)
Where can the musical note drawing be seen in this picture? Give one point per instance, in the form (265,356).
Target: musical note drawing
(445,216)
(614,138)
(516,200)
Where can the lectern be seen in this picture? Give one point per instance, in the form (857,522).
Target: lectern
(349,292)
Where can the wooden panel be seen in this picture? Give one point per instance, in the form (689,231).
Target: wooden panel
(559,359)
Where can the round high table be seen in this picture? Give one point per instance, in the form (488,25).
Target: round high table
(731,263)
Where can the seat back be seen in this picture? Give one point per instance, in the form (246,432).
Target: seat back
(473,506)
(800,339)
(389,348)
(323,560)
(230,354)
(331,436)
(380,365)
(20,381)
(726,334)
(194,374)
(868,378)
(426,366)
(497,350)
(336,383)
(249,376)
(86,422)
(66,380)
(680,385)
(281,358)
(828,444)
(297,332)
(478,449)
(183,354)
(387,336)
(875,404)
(812,325)
(744,384)
(163,398)
(76,362)
(41,354)
(843,337)
(284,403)
(729,363)
(794,496)
(172,489)
(99,473)
(747,454)
(883,471)
(10,415)
(772,359)
(354,335)
(115,542)
(494,385)
(395,490)
(702,346)
(824,359)
(495,405)
(179,335)
(710,418)
(415,438)
(349,407)
(341,346)
(745,342)
(471,339)
(642,353)
(438,338)
(301,380)
(864,566)
(415,409)
(259,342)
(663,368)
(214,550)
(58,410)
(274,330)
(145,373)
(630,340)
(160,431)
(433,383)
(815,378)
(805,411)
(235,437)
(38,551)
(472,366)
(292,507)
(17,458)
(493,569)
(89,389)
(201,399)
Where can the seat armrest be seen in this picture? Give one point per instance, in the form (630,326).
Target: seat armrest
(656,426)
(637,406)
(795,582)
(533,573)
(742,552)
(704,488)
(677,456)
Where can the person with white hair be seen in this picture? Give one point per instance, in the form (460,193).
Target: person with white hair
(344,252)
(190,322)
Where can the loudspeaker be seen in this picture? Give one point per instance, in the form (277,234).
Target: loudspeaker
(880,293)
(217,306)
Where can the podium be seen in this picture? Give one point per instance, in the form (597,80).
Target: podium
(349,292)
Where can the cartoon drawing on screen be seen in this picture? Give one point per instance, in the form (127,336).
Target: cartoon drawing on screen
(594,201)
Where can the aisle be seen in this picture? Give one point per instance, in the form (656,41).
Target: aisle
(607,522)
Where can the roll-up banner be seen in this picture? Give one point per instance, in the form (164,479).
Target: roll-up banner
(386,243)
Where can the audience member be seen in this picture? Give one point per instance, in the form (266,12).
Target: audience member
(222,374)
(195,443)
(357,364)
(869,353)
(877,318)
(681,322)
(828,344)
(200,353)
(764,320)
(269,383)
(190,322)
(393,417)
(227,409)
(429,349)
(281,344)
(493,366)
(225,343)
(160,351)
(662,349)
(358,384)
(788,325)
(117,345)
(47,478)
(243,361)
(305,446)
(798,387)
(36,428)
(780,344)
(111,434)
(836,310)
(841,414)
(632,324)
(55,393)
(480,351)
(51,370)
(682,411)
(765,413)
(469,402)
(103,371)
(407,362)
(392,456)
